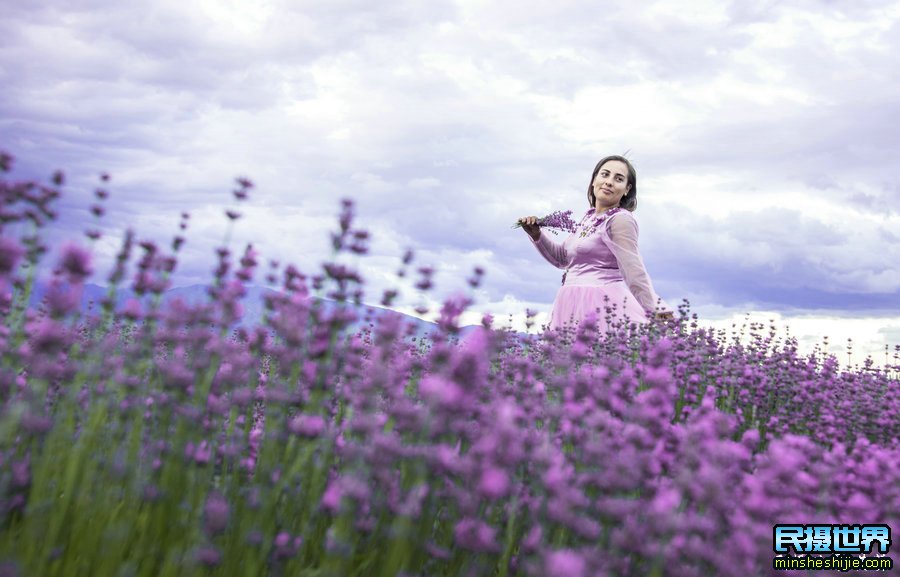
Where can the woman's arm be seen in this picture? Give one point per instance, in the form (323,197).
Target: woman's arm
(552,252)
(623,235)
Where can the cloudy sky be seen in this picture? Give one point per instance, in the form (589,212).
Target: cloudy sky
(763,133)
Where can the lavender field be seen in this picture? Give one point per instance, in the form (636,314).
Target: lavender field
(144,438)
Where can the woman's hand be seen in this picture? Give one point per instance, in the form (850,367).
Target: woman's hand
(530,225)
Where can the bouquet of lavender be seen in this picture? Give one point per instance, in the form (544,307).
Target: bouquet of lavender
(559,220)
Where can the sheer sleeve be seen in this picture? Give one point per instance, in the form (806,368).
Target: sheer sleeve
(623,236)
(555,253)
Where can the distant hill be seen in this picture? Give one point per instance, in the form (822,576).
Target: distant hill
(253,303)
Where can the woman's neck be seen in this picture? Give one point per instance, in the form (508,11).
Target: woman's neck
(602,209)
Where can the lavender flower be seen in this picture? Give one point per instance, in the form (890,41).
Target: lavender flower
(244,186)
(209,556)
(10,254)
(215,514)
(331,498)
(476,535)
(75,263)
(309,426)
(494,483)
(559,220)
(565,562)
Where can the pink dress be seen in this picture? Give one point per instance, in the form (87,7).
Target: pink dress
(603,271)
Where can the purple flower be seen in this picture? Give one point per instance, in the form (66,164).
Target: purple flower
(285,547)
(6,162)
(477,275)
(10,254)
(331,498)
(307,425)
(451,310)
(666,501)
(360,238)
(565,563)
(441,391)
(75,263)
(437,552)
(388,297)
(559,220)
(215,514)
(209,556)
(62,299)
(425,283)
(36,424)
(244,186)
(750,439)
(132,309)
(533,539)
(476,535)
(201,454)
(47,336)
(151,493)
(248,263)
(21,474)
(494,483)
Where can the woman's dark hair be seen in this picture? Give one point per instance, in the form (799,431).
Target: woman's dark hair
(629,201)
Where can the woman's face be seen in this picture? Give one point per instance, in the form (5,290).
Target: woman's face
(610,184)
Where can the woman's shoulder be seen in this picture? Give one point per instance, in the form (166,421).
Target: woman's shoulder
(622,212)
(622,215)
(620,221)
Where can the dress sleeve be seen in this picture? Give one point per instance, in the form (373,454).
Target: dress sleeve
(555,253)
(623,236)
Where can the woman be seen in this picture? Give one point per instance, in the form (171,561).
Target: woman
(603,268)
